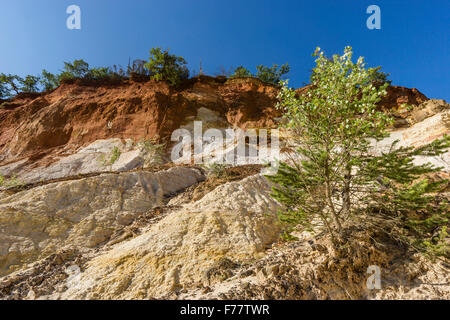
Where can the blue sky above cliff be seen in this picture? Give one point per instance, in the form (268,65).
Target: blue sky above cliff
(413,43)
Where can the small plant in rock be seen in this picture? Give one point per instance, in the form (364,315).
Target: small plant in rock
(153,153)
(115,155)
(217,170)
(407,107)
(12,182)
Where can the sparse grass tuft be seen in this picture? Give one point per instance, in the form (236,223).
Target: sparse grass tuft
(153,153)
(218,170)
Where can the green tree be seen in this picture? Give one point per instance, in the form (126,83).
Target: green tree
(380,77)
(99,73)
(165,66)
(272,74)
(4,93)
(78,69)
(30,84)
(241,72)
(336,179)
(10,84)
(49,81)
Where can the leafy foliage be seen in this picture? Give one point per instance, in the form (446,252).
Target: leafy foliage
(165,66)
(10,84)
(100,73)
(115,155)
(49,81)
(268,74)
(380,77)
(4,92)
(272,74)
(161,66)
(30,84)
(241,72)
(336,179)
(76,69)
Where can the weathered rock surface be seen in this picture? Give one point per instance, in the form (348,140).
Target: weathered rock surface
(80,213)
(427,109)
(430,128)
(311,269)
(95,158)
(236,222)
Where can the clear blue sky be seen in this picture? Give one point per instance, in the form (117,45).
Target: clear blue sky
(413,43)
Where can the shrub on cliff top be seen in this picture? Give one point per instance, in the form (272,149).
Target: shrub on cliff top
(76,69)
(10,84)
(30,84)
(101,73)
(380,77)
(272,74)
(49,81)
(241,72)
(338,180)
(165,66)
(267,74)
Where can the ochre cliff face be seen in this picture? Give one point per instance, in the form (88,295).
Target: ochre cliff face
(397,96)
(74,115)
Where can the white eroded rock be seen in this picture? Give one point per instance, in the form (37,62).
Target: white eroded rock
(80,213)
(421,134)
(236,221)
(94,158)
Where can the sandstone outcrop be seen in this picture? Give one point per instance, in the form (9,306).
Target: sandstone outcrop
(235,222)
(80,213)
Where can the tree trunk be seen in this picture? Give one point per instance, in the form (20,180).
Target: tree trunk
(346,190)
